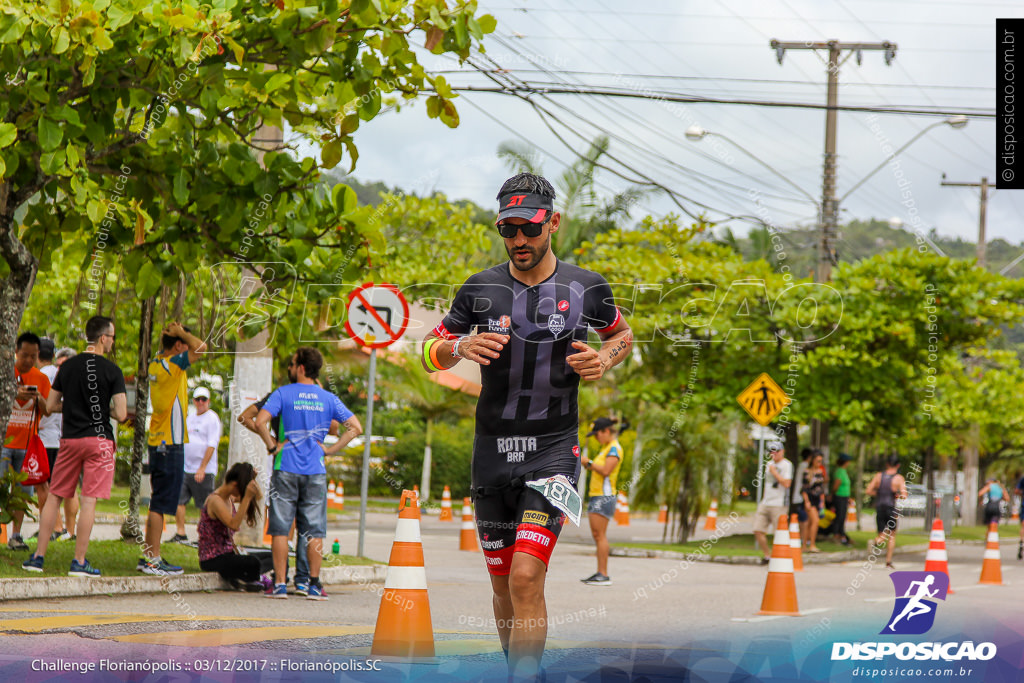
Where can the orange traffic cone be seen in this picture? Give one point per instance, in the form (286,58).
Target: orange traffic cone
(711,523)
(467,538)
(663,514)
(446,506)
(991,568)
(403,626)
(339,496)
(267,538)
(1015,517)
(936,559)
(332,499)
(622,510)
(164,520)
(851,513)
(780,588)
(3,533)
(795,546)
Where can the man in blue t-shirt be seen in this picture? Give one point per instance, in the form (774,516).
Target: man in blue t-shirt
(299,480)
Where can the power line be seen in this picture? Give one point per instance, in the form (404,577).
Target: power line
(534,88)
(717,79)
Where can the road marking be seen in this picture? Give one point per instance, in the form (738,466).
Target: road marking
(235,636)
(37,624)
(476,646)
(803,613)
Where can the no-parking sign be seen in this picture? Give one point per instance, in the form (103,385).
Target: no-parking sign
(378,314)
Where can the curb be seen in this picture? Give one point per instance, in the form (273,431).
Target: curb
(73,586)
(809,558)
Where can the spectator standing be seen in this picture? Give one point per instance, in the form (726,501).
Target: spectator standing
(168,393)
(841,490)
(204,432)
(776,492)
(992,494)
(1019,492)
(604,472)
(89,390)
(797,506)
(49,432)
(28,408)
(813,491)
(299,481)
(248,420)
(219,519)
(889,486)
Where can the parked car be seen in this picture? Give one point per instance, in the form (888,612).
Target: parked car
(916,501)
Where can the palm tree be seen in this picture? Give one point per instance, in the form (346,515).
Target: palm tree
(584,214)
(433,401)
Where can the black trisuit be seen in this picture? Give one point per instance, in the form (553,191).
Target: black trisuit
(527,417)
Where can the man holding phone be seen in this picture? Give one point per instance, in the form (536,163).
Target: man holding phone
(773,502)
(29,406)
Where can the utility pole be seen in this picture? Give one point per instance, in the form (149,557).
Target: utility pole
(253,374)
(828,216)
(971,451)
(982,212)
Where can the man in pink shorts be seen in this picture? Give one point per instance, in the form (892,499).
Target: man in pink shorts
(88,391)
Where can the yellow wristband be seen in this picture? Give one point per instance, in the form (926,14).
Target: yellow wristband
(429,355)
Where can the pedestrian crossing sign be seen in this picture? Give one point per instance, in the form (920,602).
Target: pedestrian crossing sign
(763,399)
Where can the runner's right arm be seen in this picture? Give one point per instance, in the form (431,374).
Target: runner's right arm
(479,348)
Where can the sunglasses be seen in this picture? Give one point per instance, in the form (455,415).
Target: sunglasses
(200,398)
(508,230)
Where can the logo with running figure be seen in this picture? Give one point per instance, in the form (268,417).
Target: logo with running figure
(916,592)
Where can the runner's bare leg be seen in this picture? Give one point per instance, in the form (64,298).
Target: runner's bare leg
(530,623)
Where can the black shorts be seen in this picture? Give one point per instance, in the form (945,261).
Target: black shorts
(886,517)
(51,455)
(510,517)
(166,472)
(799,510)
(993,511)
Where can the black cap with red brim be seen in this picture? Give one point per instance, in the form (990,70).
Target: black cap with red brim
(527,205)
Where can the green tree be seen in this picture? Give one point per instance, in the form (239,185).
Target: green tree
(405,380)
(133,127)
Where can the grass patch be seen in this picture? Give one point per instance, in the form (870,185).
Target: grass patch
(968,533)
(117,558)
(113,558)
(743,545)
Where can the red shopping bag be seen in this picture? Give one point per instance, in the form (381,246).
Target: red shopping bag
(36,465)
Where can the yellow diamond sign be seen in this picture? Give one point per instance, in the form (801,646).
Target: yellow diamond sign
(763,399)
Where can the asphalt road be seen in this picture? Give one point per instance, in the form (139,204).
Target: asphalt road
(654,605)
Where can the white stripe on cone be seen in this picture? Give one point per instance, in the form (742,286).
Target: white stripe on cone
(993,537)
(408,531)
(794,535)
(406,578)
(936,554)
(781,564)
(468,525)
(991,555)
(938,535)
(781,537)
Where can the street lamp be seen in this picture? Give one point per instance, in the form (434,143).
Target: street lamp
(696,133)
(957,122)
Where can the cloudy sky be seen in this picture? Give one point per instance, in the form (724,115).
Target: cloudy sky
(719,49)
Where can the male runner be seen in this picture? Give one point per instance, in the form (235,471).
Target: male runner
(531,317)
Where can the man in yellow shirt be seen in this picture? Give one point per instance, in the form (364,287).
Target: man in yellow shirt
(604,473)
(168,394)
